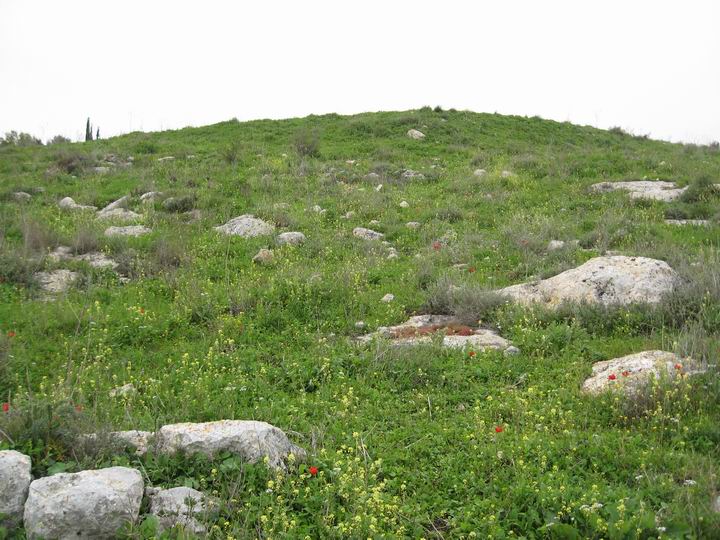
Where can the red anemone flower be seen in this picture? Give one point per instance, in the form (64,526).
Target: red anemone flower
(625,373)
(498,429)
(5,407)
(678,366)
(313,471)
(436,245)
(471,269)
(472,354)
(11,333)
(612,377)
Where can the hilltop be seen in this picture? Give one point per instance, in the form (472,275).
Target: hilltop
(430,344)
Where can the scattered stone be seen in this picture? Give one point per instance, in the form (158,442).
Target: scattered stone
(374,222)
(124,390)
(415,134)
(251,440)
(404,204)
(349,215)
(101,170)
(388,298)
(420,330)
(129,230)
(512,350)
(480,173)
(264,256)
(692,222)
(506,174)
(180,506)
(21,196)
(150,197)
(360,324)
(372,177)
(120,203)
(367,234)
(94,258)
(413,225)
(88,504)
(118,214)
(614,280)
(69,204)
(119,440)
(409,174)
(15,478)
(319,209)
(57,281)
(554,245)
(246,226)
(392,253)
(643,189)
(630,373)
(291,238)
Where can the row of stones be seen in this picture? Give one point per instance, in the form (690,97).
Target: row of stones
(96,503)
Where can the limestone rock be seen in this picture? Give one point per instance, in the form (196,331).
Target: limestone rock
(122,202)
(89,504)
(367,234)
(420,329)
(150,197)
(291,238)
(412,225)
(506,174)
(97,260)
(614,280)
(69,204)
(479,173)
(404,204)
(415,134)
(692,222)
(119,214)
(630,373)
(264,256)
(657,190)
(128,230)
(15,478)
(21,196)
(409,174)
(388,298)
(180,506)
(124,390)
(246,226)
(251,440)
(57,281)
(119,440)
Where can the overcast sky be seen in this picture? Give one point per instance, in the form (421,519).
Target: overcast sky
(647,66)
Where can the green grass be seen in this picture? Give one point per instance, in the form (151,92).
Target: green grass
(405,441)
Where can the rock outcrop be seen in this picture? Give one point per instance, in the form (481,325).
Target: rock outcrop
(246,226)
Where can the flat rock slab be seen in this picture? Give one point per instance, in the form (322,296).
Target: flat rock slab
(293,238)
(246,226)
(630,373)
(69,204)
(419,330)
(128,230)
(118,214)
(249,439)
(21,196)
(657,190)
(695,222)
(120,203)
(89,504)
(367,234)
(93,258)
(415,134)
(614,280)
(119,440)
(180,506)
(15,478)
(57,281)
(150,196)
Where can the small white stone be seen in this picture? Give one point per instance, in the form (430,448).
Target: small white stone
(479,172)
(404,204)
(388,298)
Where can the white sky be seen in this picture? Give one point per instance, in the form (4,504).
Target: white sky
(647,66)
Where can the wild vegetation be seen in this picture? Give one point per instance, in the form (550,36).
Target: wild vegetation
(417,442)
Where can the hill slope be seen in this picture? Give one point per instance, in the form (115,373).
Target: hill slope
(418,441)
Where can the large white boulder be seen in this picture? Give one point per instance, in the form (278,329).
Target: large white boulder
(89,504)
(118,214)
(655,190)
(415,134)
(246,226)
(614,280)
(57,281)
(630,373)
(15,481)
(251,440)
(180,506)
(120,203)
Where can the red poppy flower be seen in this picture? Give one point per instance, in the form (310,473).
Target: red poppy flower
(5,407)
(78,408)
(678,366)
(471,269)
(612,377)
(436,245)
(142,311)
(472,354)
(625,373)
(11,333)
(498,429)
(313,471)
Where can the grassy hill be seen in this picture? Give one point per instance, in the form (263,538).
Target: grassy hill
(408,442)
